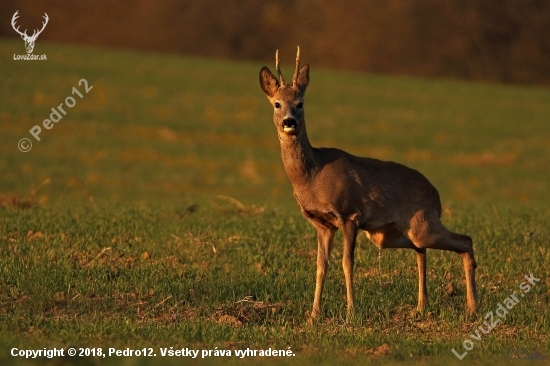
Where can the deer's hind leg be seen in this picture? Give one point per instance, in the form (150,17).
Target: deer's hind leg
(389,237)
(427,231)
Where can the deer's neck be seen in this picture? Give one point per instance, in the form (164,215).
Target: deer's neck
(298,158)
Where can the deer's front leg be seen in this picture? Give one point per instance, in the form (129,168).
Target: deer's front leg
(324,245)
(350,235)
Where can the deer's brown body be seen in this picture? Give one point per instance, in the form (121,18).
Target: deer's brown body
(396,206)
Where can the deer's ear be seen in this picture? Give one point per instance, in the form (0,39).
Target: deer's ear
(303,79)
(268,82)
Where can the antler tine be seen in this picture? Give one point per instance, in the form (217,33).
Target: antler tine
(43,24)
(281,78)
(13,20)
(295,77)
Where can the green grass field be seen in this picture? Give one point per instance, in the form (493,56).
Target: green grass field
(157,213)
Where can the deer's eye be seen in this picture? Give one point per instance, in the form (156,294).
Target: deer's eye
(300,105)
(277,105)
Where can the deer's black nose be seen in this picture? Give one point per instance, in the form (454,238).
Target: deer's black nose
(289,122)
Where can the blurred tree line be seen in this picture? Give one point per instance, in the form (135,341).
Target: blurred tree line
(495,40)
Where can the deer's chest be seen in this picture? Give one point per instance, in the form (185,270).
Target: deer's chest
(319,211)
(330,208)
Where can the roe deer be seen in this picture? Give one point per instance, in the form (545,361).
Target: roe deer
(396,205)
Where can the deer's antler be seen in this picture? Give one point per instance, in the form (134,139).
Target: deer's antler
(281,78)
(295,77)
(24,34)
(35,34)
(13,20)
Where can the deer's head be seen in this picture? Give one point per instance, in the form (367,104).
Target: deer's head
(29,40)
(287,100)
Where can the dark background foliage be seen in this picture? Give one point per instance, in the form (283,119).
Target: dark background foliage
(493,40)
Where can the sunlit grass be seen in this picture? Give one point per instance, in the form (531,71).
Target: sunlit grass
(149,213)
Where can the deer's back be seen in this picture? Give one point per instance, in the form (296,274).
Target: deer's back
(372,191)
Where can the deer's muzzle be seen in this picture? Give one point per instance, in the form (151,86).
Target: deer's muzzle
(289,125)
